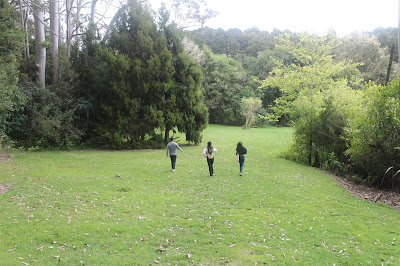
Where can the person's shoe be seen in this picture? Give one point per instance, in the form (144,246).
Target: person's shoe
(241,174)
(173,170)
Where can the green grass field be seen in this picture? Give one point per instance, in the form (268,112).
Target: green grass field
(128,208)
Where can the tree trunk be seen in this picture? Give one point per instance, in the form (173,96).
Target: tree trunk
(398,35)
(26,33)
(316,162)
(93,12)
(54,25)
(77,17)
(166,138)
(24,24)
(22,13)
(390,65)
(68,22)
(40,59)
(309,157)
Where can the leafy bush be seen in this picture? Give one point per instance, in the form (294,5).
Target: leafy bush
(11,40)
(295,153)
(316,97)
(335,165)
(47,119)
(374,135)
(249,107)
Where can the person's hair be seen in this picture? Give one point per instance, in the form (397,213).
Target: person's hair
(172,138)
(239,144)
(209,147)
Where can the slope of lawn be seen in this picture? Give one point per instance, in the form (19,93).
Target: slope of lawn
(128,208)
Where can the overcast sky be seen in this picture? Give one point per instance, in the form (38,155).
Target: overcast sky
(313,16)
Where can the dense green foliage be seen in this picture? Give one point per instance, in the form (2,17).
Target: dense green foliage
(374,136)
(128,208)
(46,119)
(337,126)
(134,78)
(388,37)
(10,43)
(234,42)
(185,107)
(123,78)
(316,96)
(372,59)
(224,81)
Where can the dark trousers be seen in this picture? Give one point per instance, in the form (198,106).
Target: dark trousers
(173,161)
(210,163)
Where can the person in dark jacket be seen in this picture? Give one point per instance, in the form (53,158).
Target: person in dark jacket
(240,152)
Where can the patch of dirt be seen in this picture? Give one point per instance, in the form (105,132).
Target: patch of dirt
(4,188)
(5,158)
(371,194)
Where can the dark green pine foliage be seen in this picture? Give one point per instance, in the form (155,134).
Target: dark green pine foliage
(184,101)
(141,83)
(129,75)
(194,113)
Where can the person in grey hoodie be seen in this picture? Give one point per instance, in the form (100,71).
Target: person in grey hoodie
(172,151)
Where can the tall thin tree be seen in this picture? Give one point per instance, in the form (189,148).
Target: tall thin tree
(55,26)
(93,11)
(24,10)
(40,59)
(69,25)
(398,35)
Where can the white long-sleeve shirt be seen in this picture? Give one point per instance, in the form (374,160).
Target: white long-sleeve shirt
(205,151)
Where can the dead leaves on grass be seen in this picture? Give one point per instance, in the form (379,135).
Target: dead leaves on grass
(4,188)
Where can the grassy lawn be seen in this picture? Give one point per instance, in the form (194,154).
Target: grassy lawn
(128,208)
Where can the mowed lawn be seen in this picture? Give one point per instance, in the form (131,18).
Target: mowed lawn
(128,208)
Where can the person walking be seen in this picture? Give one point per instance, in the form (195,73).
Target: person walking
(172,147)
(240,152)
(208,153)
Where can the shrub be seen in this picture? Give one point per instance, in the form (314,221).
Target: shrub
(374,135)
(46,120)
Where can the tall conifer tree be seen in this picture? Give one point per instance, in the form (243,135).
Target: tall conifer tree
(141,81)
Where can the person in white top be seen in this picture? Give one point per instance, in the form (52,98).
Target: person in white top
(208,153)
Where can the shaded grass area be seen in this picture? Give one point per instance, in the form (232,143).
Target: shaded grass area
(126,208)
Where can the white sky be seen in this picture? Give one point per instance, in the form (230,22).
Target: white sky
(313,16)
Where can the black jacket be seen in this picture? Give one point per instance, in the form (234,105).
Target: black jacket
(241,150)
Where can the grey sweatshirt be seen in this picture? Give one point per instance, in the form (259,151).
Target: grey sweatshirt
(171,148)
